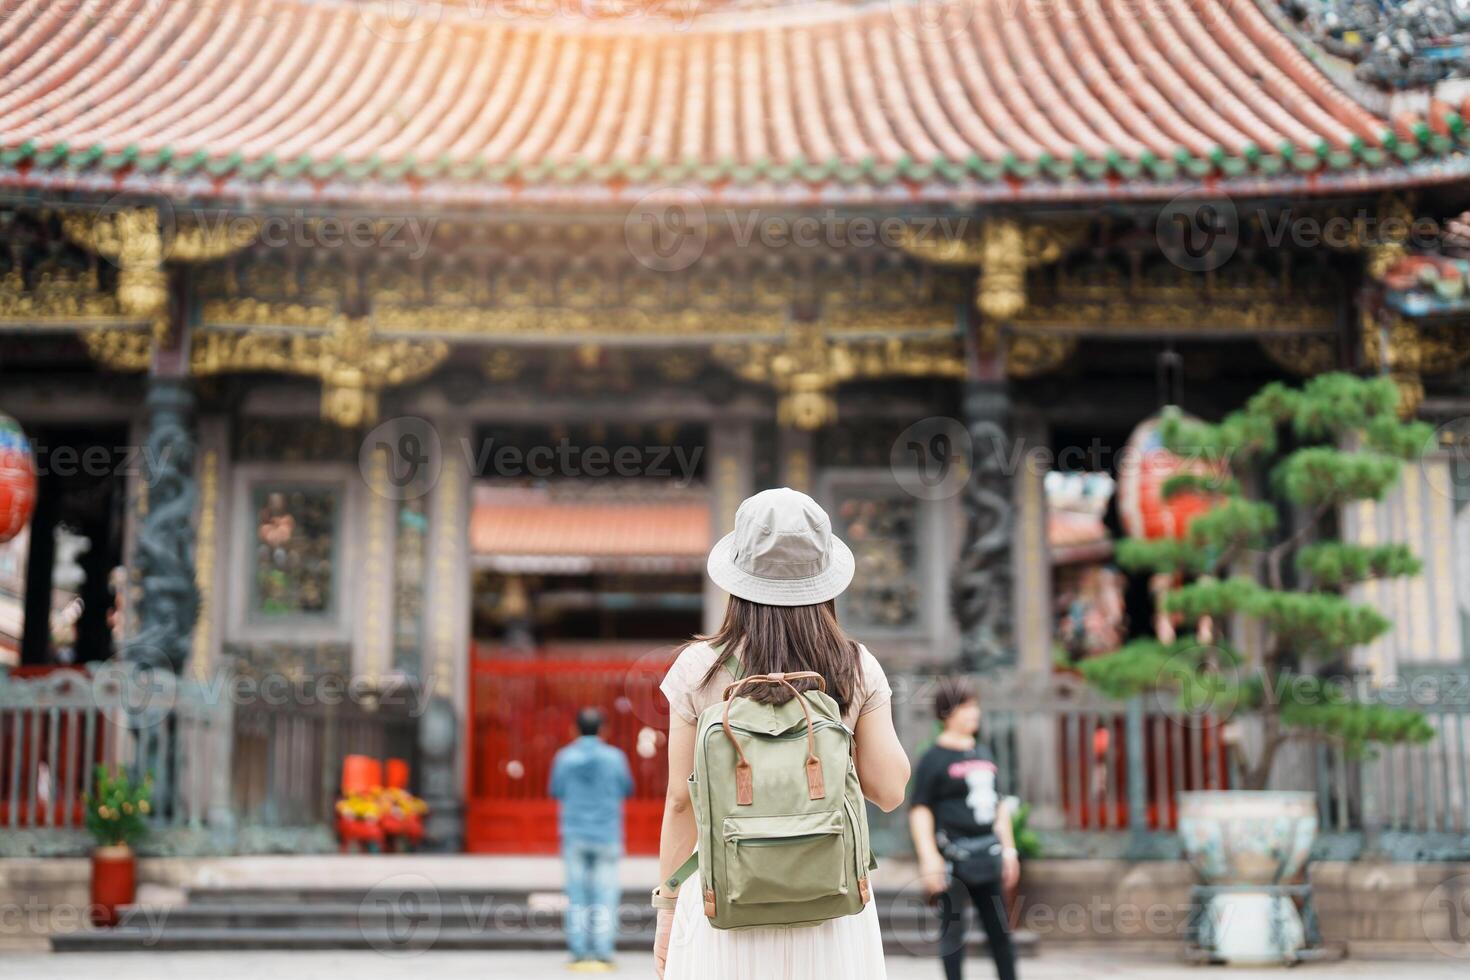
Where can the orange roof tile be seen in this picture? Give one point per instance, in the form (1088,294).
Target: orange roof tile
(590,530)
(285,99)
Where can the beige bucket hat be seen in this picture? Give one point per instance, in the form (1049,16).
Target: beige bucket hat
(782,552)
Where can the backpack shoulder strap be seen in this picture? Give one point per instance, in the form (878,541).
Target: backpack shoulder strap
(733,665)
(682,873)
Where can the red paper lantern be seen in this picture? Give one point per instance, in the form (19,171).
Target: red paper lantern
(17,479)
(1142,472)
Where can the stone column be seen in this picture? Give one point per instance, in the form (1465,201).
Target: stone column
(442,750)
(796,450)
(1031,562)
(981,586)
(731,454)
(168,602)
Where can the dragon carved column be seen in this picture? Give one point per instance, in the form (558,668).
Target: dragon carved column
(981,584)
(164,554)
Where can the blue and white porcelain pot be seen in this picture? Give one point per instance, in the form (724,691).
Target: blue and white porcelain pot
(1242,843)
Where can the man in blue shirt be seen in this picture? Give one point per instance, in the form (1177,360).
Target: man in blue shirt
(590,779)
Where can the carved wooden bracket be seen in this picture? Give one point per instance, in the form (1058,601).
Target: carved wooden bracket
(808,365)
(1003,250)
(137,240)
(351,361)
(1407,350)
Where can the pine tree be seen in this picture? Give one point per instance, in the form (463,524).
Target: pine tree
(1333,442)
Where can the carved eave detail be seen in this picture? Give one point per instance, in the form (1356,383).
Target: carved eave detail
(352,362)
(58,300)
(1003,251)
(1410,350)
(810,363)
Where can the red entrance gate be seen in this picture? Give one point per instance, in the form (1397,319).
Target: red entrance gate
(523,711)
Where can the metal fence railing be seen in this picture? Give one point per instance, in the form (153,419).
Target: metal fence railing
(1101,776)
(220,769)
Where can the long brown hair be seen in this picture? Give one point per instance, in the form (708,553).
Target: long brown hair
(768,639)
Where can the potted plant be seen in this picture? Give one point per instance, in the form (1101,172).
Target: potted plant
(359,819)
(116,813)
(1273,558)
(1028,846)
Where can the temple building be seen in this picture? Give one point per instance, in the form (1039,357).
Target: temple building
(434,351)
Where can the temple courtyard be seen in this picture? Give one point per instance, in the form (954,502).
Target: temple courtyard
(1053,964)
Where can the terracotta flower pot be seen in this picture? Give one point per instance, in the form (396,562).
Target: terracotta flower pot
(114,882)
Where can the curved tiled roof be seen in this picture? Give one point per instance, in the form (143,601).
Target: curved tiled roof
(297,100)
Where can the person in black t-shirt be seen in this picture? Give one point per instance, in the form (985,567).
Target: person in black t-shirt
(958,820)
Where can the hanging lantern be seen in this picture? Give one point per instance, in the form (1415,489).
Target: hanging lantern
(1145,467)
(17,479)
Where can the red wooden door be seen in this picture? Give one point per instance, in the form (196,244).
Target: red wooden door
(523,711)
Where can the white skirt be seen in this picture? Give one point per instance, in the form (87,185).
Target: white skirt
(850,947)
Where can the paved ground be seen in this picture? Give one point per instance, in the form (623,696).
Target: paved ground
(1069,964)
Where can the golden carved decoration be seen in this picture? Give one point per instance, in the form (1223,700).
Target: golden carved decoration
(1028,355)
(1004,250)
(679,366)
(1302,354)
(1122,314)
(1001,291)
(259,313)
(557,323)
(352,363)
(808,365)
(1407,350)
(204,559)
(954,244)
(211,238)
(119,350)
(503,364)
(131,238)
(57,296)
(1385,243)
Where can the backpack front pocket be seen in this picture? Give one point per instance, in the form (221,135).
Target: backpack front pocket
(796,858)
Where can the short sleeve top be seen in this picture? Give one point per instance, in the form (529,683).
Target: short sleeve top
(687,698)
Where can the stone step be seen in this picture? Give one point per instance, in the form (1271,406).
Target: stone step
(199,937)
(405,913)
(471,914)
(896,909)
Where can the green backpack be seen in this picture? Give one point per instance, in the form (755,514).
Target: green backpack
(783,829)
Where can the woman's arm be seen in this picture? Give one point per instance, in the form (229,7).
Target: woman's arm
(931,862)
(882,764)
(1010,860)
(676,839)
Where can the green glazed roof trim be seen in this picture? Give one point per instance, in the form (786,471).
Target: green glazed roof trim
(1394,149)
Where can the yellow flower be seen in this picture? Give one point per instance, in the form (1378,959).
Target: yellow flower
(127,808)
(143,807)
